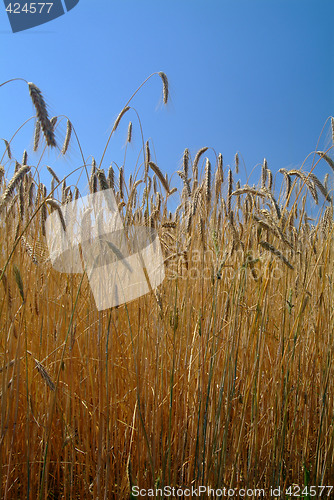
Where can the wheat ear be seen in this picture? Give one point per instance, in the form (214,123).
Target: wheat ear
(37,135)
(56,206)
(9,153)
(67,138)
(53,173)
(186,162)
(118,119)
(129,138)
(24,157)
(165,93)
(111,178)
(208,181)
(199,153)
(160,176)
(43,372)
(276,252)
(42,114)
(327,158)
(13,183)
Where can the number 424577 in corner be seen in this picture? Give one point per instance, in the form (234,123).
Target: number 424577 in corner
(29,8)
(296,491)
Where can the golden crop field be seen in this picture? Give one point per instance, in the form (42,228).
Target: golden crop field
(222,376)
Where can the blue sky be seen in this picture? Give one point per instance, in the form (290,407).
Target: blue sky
(252,76)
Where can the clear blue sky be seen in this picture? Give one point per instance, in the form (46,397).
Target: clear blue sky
(250,76)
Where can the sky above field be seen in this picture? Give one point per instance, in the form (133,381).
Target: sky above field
(254,77)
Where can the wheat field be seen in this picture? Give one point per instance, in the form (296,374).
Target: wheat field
(222,376)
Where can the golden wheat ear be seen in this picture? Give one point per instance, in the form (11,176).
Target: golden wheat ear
(42,114)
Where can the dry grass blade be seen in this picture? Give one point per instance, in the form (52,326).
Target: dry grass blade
(8,365)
